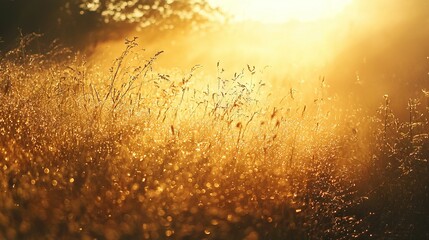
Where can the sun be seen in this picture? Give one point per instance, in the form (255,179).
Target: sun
(278,11)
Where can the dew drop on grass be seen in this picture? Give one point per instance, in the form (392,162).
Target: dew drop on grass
(161,212)
(135,187)
(169,233)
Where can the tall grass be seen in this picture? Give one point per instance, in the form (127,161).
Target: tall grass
(133,153)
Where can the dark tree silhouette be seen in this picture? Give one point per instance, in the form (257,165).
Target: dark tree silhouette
(74,21)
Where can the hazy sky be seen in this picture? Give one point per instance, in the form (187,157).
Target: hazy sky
(282,10)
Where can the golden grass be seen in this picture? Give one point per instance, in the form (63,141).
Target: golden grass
(139,154)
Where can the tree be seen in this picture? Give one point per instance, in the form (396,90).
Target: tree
(74,21)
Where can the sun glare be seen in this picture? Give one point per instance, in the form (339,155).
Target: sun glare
(278,11)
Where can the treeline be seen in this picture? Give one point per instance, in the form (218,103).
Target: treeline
(76,21)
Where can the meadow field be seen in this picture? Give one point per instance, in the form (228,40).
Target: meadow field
(127,148)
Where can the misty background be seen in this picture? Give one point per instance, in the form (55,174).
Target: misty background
(371,49)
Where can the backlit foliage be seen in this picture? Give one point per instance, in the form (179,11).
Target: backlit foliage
(76,22)
(146,13)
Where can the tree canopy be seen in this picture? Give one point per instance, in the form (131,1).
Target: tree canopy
(74,21)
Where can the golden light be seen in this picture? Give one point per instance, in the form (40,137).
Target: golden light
(278,11)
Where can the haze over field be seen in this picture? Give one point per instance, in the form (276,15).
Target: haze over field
(371,48)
